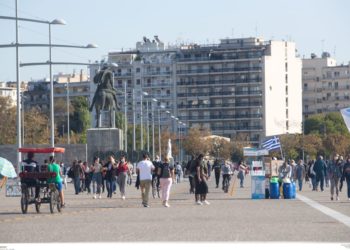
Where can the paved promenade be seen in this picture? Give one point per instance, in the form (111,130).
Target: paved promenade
(312,217)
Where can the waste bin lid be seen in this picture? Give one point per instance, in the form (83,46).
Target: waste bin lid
(274,180)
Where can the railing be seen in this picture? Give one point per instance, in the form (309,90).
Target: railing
(233,81)
(218,117)
(219,58)
(224,70)
(236,128)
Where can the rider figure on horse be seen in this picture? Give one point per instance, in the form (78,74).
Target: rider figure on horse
(104,79)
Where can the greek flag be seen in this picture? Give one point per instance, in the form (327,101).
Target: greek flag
(272,143)
(346,116)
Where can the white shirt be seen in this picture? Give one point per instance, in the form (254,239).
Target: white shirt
(145,167)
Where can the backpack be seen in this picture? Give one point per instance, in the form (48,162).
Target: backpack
(70,173)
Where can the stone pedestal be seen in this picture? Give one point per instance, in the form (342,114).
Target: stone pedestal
(103,140)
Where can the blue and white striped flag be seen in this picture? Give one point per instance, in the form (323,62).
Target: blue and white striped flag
(272,143)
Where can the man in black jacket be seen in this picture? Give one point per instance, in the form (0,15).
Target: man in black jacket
(320,169)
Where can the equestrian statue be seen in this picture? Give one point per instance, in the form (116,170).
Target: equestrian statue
(105,98)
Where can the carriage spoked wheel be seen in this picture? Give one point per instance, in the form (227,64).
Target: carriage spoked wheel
(37,207)
(24,199)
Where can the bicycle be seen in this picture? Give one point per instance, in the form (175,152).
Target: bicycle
(226,182)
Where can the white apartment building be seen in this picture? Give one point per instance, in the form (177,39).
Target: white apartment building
(247,88)
(9,89)
(326,85)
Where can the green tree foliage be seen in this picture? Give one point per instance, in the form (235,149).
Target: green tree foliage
(36,127)
(80,119)
(323,124)
(7,121)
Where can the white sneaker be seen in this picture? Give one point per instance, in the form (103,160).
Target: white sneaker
(123,197)
(199,203)
(99,196)
(337,198)
(206,202)
(94,196)
(166,204)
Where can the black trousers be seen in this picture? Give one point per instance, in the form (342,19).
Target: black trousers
(191,181)
(217,178)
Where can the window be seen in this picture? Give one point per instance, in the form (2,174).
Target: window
(336,85)
(330,85)
(286,67)
(286,78)
(287,102)
(305,86)
(286,90)
(138,81)
(138,70)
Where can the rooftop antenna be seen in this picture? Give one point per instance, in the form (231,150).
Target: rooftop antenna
(322,45)
(256,29)
(233,32)
(334,50)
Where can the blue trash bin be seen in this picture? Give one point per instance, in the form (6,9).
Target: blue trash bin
(294,190)
(274,190)
(287,190)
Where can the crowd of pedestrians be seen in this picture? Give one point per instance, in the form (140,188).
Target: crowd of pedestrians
(110,175)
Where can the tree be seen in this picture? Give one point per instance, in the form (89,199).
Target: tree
(36,127)
(291,146)
(194,143)
(80,120)
(312,145)
(323,124)
(220,148)
(336,144)
(7,121)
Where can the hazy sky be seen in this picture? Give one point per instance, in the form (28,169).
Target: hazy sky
(117,24)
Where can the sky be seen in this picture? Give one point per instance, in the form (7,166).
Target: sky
(315,26)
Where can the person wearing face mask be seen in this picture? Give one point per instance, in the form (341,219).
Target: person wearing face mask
(123,172)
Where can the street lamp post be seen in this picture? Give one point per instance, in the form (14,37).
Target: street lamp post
(68,125)
(52,118)
(159,139)
(126,120)
(133,121)
(147,126)
(19,136)
(153,149)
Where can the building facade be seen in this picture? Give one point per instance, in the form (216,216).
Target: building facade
(326,85)
(240,88)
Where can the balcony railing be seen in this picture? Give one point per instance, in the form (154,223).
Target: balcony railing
(236,128)
(223,70)
(221,117)
(233,81)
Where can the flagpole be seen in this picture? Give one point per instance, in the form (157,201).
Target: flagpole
(281,150)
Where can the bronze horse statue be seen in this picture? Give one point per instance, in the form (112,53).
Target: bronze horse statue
(105,98)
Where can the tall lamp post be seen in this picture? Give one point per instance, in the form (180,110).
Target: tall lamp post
(68,125)
(52,118)
(153,149)
(126,119)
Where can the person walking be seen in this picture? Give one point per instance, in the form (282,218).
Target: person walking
(190,170)
(209,168)
(64,174)
(320,169)
(335,174)
(179,172)
(217,172)
(123,172)
(111,173)
(82,176)
(144,169)
(241,173)
(346,175)
(166,177)
(200,179)
(96,169)
(300,173)
(77,171)
(88,176)
(312,175)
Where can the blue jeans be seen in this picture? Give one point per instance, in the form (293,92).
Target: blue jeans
(96,181)
(300,182)
(320,178)
(110,183)
(313,182)
(77,185)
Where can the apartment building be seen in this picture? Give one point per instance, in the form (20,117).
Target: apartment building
(9,89)
(326,85)
(240,88)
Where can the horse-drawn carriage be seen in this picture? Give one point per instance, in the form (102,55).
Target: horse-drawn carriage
(48,192)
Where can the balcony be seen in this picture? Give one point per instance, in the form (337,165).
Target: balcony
(237,128)
(220,117)
(223,70)
(233,81)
